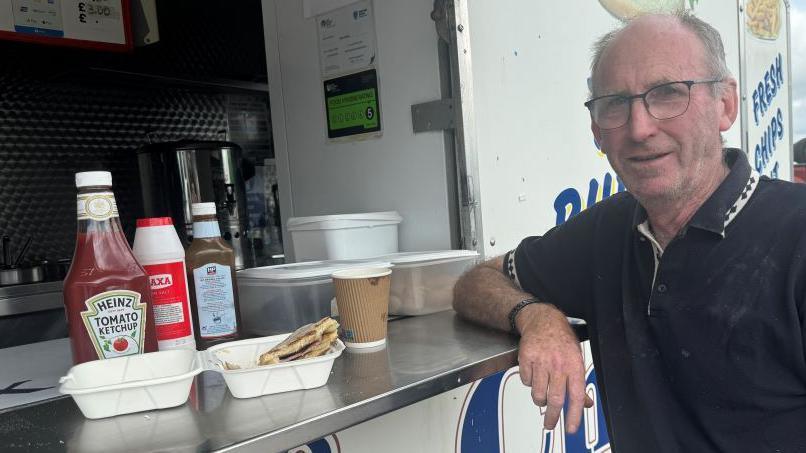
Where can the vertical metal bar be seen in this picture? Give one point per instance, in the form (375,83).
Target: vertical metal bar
(466,150)
(743,107)
(277,101)
(449,142)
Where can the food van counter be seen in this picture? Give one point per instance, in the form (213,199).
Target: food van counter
(425,356)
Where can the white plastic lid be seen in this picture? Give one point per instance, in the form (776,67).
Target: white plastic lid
(362,272)
(424,257)
(338,221)
(307,270)
(93,178)
(203,209)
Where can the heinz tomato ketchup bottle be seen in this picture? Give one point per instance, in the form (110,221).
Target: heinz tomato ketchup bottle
(158,249)
(106,292)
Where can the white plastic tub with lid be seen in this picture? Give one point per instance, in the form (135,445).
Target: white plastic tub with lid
(276,299)
(345,236)
(422,282)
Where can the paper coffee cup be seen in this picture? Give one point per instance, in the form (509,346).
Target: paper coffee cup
(362,297)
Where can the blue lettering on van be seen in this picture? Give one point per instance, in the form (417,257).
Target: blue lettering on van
(481,427)
(765,150)
(767,88)
(327,444)
(592,436)
(569,202)
(319,446)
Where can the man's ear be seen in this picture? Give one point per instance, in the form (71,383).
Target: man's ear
(729,102)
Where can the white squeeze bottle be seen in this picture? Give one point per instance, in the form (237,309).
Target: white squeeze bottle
(159,251)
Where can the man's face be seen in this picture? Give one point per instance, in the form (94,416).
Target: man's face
(663,160)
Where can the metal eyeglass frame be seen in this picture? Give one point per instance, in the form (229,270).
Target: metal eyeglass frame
(642,96)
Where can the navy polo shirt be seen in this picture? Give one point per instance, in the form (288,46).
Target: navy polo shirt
(698,347)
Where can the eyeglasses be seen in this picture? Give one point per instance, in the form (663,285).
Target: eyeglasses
(663,102)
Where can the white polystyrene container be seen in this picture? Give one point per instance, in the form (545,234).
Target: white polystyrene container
(160,380)
(156,380)
(277,299)
(422,282)
(252,380)
(343,237)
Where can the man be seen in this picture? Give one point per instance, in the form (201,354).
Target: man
(692,284)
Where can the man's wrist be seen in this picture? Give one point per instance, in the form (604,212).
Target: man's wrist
(517,309)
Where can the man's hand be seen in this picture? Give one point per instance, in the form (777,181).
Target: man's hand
(549,355)
(550,362)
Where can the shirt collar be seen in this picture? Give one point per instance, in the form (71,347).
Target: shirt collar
(725,203)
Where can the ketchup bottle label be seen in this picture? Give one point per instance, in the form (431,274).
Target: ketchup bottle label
(115,322)
(97,206)
(170,299)
(215,300)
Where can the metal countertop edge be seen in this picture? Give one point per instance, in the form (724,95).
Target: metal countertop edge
(299,433)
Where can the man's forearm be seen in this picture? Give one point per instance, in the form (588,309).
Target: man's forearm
(486,296)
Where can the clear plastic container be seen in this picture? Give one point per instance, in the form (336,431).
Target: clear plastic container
(276,299)
(422,282)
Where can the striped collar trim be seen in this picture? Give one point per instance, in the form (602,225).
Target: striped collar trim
(741,201)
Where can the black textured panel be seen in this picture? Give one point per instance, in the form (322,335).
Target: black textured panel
(48,132)
(58,115)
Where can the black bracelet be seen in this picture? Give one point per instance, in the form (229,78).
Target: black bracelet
(517,309)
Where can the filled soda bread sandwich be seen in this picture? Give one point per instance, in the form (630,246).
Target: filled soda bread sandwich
(311,340)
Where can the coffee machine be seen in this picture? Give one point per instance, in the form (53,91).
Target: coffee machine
(173,175)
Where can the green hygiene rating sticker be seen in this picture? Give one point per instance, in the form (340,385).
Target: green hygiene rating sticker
(352,104)
(351,110)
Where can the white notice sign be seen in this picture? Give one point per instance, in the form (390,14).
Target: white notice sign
(346,39)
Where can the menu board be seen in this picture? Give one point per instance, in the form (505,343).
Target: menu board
(101,24)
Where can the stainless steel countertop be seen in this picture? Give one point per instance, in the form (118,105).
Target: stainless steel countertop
(425,356)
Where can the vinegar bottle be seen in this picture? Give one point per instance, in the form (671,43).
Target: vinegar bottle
(106,292)
(211,278)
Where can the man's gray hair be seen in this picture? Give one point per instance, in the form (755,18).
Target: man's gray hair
(707,34)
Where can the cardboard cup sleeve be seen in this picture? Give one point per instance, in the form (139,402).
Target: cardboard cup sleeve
(362,297)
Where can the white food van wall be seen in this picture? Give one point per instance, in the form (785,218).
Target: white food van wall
(508,79)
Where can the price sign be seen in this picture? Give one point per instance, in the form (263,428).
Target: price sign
(96,24)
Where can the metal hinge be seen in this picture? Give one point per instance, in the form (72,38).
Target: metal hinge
(469,204)
(432,116)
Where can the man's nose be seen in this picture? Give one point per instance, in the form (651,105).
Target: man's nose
(641,124)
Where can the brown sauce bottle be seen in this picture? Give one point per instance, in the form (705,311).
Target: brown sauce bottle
(211,281)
